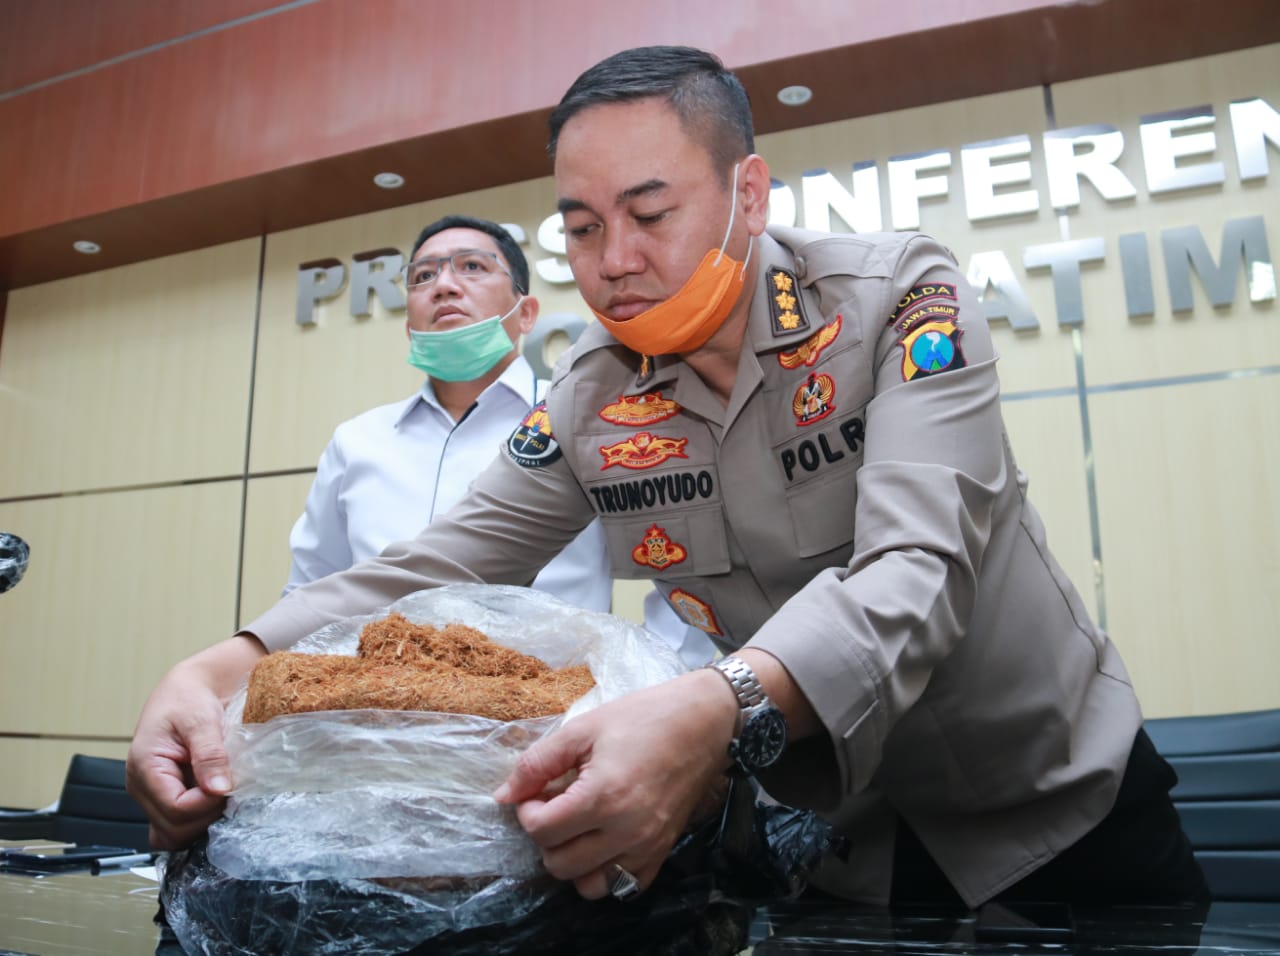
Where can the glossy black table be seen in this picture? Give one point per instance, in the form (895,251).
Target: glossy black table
(77,913)
(1226,927)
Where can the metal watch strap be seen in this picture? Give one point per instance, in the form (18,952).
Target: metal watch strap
(745,684)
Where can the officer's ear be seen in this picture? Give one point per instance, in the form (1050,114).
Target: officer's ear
(754,184)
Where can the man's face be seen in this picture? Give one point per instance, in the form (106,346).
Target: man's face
(642,205)
(453,300)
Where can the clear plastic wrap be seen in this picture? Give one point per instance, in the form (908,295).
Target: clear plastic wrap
(375,832)
(405,798)
(360,794)
(701,904)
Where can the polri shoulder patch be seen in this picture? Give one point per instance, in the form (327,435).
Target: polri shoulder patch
(532,445)
(919,295)
(923,313)
(930,348)
(785,311)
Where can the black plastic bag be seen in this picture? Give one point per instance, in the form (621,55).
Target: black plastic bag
(701,904)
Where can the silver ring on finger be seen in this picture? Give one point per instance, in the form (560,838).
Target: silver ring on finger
(623,884)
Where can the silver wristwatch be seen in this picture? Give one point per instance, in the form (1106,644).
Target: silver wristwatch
(761,732)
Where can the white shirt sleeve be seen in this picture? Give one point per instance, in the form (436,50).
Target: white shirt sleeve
(580,574)
(318,542)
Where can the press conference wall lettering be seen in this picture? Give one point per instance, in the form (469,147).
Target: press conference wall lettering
(1177,151)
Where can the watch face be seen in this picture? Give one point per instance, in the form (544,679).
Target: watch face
(763,737)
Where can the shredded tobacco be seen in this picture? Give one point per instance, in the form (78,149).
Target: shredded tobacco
(404,666)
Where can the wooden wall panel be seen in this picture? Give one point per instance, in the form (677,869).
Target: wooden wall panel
(1188,506)
(1029,360)
(35,768)
(1049,446)
(130,376)
(120,587)
(272,506)
(1207,338)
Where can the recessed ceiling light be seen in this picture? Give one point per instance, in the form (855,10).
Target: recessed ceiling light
(85,246)
(795,95)
(389,180)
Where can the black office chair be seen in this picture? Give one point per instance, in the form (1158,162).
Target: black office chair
(93,809)
(1228,796)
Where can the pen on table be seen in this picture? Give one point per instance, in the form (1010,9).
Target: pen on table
(115,862)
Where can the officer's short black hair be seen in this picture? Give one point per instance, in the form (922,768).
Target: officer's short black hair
(711,102)
(516,261)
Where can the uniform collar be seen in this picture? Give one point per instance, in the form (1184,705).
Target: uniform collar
(660,369)
(517,378)
(762,329)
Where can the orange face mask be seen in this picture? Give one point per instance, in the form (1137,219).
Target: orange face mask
(689,318)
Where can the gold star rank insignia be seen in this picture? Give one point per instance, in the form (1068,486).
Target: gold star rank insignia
(785,311)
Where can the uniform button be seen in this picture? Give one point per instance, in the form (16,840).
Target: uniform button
(800,267)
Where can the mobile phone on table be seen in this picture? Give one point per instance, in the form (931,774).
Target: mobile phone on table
(59,858)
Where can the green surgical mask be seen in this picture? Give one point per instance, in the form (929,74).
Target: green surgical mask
(464,353)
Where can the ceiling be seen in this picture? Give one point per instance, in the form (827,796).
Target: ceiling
(904,63)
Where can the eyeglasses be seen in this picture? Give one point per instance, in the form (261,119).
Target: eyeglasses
(468,264)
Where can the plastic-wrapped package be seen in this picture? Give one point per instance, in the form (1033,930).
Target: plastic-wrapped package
(362,794)
(701,903)
(375,832)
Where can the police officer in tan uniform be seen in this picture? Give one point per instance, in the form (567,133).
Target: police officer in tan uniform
(797,438)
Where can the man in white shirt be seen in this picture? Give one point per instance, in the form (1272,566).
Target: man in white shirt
(389,472)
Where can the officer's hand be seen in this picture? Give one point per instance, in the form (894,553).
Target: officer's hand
(642,762)
(177,765)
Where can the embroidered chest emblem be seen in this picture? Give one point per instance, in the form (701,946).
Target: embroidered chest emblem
(931,348)
(639,410)
(785,311)
(642,450)
(815,399)
(695,612)
(658,551)
(808,351)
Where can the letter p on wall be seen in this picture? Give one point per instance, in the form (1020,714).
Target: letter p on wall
(318,280)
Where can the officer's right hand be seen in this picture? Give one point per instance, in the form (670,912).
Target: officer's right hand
(177,766)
